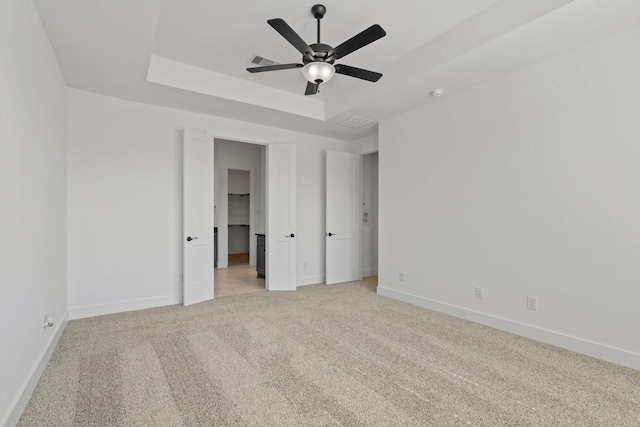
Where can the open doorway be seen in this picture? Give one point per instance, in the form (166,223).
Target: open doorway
(370,218)
(205,219)
(239,215)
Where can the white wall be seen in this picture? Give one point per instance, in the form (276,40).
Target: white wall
(366,145)
(239,239)
(33,199)
(526,186)
(370,207)
(125,200)
(239,180)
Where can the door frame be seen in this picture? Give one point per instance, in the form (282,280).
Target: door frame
(265,190)
(375,269)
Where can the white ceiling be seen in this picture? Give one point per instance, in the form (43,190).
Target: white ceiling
(193,54)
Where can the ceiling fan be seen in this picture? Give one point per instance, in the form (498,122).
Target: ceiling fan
(318,58)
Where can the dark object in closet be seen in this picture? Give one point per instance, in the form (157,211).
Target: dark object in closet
(260,256)
(215,247)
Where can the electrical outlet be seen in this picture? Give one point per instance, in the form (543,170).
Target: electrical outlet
(401,277)
(479,292)
(532,303)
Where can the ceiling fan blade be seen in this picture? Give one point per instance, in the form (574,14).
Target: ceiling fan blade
(312,89)
(367,36)
(274,68)
(292,37)
(358,73)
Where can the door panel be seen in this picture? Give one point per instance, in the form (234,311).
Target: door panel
(197,217)
(281,217)
(343,217)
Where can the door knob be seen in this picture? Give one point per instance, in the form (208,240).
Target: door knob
(191,238)
(331,234)
(291,235)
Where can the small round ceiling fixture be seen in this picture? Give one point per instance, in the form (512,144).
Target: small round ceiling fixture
(437,92)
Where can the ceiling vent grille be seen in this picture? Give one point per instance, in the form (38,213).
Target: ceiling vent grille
(261,61)
(355,122)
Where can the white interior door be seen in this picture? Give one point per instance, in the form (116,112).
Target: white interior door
(343,256)
(197,217)
(281,218)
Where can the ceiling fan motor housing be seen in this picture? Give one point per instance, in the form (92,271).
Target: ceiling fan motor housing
(322,51)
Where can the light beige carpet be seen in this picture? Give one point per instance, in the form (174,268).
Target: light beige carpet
(325,355)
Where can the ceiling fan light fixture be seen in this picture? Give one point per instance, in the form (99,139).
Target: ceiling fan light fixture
(318,72)
(318,58)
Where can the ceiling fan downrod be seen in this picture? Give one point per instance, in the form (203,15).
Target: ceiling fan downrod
(318,12)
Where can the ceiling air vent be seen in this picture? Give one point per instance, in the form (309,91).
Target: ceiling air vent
(261,61)
(355,122)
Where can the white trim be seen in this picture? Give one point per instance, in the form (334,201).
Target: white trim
(180,75)
(369,150)
(120,307)
(210,131)
(579,345)
(309,280)
(20,402)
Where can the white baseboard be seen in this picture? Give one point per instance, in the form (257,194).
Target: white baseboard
(579,345)
(120,307)
(309,280)
(21,400)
